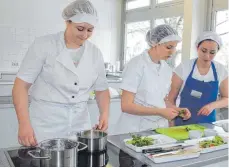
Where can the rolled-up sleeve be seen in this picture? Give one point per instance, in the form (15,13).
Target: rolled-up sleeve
(223,73)
(131,76)
(101,83)
(32,63)
(179,71)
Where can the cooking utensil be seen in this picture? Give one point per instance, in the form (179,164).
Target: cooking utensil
(164,150)
(167,153)
(95,159)
(95,140)
(57,152)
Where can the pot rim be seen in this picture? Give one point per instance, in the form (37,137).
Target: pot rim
(78,134)
(76,144)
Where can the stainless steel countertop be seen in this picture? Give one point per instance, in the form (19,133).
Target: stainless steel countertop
(220,157)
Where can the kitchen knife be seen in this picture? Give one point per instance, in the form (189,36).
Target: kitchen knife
(162,150)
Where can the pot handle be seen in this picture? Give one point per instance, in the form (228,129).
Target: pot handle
(85,146)
(37,157)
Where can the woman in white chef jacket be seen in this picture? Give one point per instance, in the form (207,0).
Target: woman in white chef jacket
(63,69)
(198,82)
(146,81)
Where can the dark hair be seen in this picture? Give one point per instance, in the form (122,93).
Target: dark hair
(207,40)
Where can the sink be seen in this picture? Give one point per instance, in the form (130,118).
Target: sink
(113,77)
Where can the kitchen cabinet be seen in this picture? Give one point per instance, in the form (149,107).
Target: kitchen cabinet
(8,127)
(115,112)
(9,123)
(114,84)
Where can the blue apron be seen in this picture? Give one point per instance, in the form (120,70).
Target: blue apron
(209,94)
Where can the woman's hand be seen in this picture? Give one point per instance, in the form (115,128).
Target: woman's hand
(206,110)
(168,113)
(26,136)
(184,113)
(103,122)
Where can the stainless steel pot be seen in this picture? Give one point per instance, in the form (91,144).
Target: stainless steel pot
(95,140)
(95,159)
(57,153)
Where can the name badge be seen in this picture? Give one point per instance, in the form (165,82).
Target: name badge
(196,94)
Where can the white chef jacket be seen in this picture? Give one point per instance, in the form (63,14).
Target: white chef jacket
(150,82)
(60,90)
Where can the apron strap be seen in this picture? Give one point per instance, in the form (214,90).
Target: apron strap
(214,71)
(190,75)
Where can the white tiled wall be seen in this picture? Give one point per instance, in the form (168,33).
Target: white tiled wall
(22,21)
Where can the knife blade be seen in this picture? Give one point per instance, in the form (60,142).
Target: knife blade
(167,149)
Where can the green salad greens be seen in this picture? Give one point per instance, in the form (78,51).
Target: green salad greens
(181,113)
(140,141)
(188,128)
(217,141)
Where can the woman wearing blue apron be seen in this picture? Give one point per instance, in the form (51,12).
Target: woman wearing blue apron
(198,81)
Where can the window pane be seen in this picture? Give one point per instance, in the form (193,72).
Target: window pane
(137,4)
(176,23)
(135,39)
(162,1)
(222,25)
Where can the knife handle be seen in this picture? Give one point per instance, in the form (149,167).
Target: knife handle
(159,151)
(151,150)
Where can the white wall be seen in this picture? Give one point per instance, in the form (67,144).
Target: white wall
(23,20)
(194,24)
(108,35)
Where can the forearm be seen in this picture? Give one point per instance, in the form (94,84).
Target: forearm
(136,109)
(20,100)
(170,102)
(103,101)
(223,102)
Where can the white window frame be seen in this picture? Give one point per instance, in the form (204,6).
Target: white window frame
(137,9)
(154,11)
(168,4)
(125,39)
(217,5)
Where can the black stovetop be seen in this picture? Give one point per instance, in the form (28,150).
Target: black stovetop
(112,156)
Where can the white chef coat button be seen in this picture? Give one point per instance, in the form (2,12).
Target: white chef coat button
(75,83)
(73,97)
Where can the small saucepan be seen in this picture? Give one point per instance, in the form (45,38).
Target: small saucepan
(95,140)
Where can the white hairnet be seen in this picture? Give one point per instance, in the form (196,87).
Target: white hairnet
(209,35)
(161,34)
(81,11)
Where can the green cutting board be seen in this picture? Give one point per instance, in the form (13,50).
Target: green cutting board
(179,132)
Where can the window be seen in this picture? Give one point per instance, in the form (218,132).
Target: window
(221,27)
(177,24)
(135,38)
(134,4)
(162,1)
(142,15)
